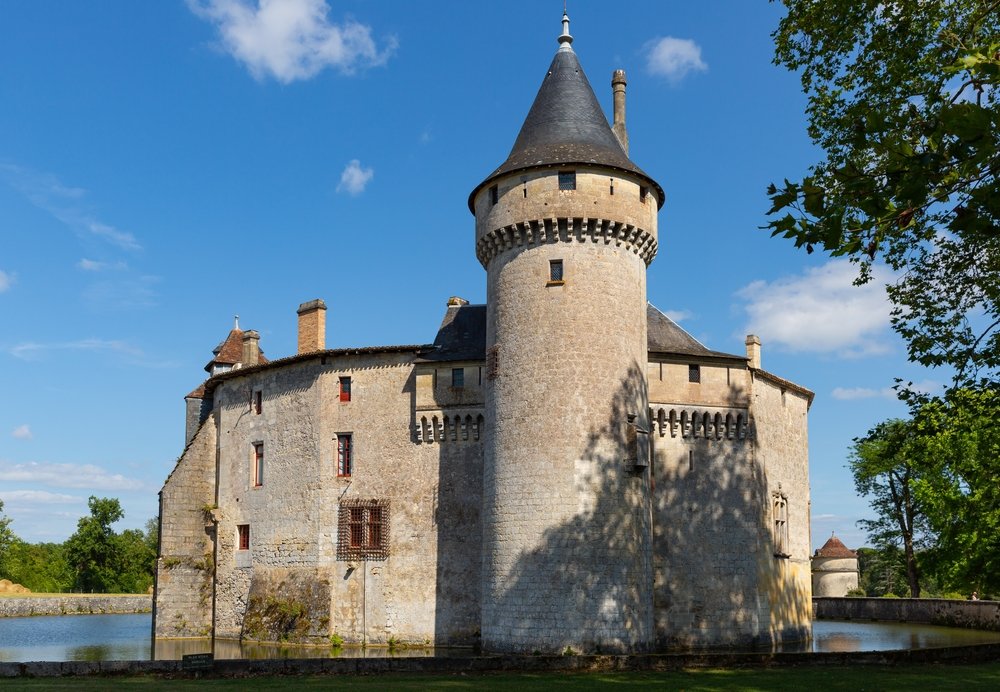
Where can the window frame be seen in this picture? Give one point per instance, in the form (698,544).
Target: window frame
(458,378)
(694,373)
(779,514)
(258,402)
(242,537)
(258,464)
(567,180)
(344,389)
(345,455)
(363,529)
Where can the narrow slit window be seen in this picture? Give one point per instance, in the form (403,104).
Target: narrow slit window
(243,533)
(494,194)
(556,270)
(258,402)
(612,187)
(344,454)
(345,388)
(258,464)
(643,193)
(567,180)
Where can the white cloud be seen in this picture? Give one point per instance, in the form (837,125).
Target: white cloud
(854,393)
(354,179)
(6,280)
(38,497)
(673,58)
(86,476)
(291,39)
(678,315)
(822,311)
(31,350)
(89,265)
(21,432)
(64,203)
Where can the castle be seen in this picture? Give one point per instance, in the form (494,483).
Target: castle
(563,467)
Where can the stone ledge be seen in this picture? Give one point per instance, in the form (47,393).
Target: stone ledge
(74,604)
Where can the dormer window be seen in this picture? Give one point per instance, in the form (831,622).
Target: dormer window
(567,180)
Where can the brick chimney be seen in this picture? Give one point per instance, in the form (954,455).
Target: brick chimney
(251,348)
(753,351)
(312,326)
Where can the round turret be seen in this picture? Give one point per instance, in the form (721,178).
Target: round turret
(565,228)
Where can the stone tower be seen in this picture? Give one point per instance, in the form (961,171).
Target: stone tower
(565,229)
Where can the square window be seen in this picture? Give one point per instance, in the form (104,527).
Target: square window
(555,270)
(344,454)
(345,388)
(258,464)
(458,377)
(567,180)
(243,535)
(363,530)
(694,373)
(494,194)
(258,401)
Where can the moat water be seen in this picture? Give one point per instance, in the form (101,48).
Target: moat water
(127,638)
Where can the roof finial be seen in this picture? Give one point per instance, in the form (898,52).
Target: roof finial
(565,39)
(236,322)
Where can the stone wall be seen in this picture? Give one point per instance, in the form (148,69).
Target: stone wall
(779,422)
(424,588)
(979,615)
(184,567)
(834,576)
(73,604)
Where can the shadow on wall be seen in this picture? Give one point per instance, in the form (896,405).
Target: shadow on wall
(720,578)
(586,584)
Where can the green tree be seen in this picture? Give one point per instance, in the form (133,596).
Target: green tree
(6,539)
(887,464)
(960,436)
(40,567)
(94,551)
(903,103)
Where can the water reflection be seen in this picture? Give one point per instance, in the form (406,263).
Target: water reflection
(127,638)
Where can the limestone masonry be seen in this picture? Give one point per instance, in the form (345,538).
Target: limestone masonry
(564,467)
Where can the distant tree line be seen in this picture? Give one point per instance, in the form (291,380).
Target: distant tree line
(95,559)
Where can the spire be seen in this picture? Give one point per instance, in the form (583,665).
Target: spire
(565,39)
(236,322)
(566,125)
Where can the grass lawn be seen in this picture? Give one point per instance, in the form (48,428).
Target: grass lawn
(858,678)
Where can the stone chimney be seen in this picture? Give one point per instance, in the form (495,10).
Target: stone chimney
(251,348)
(753,351)
(312,326)
(618,127)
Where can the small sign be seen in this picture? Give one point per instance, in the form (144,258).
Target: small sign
(197,661)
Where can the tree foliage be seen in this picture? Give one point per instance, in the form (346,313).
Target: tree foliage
(932,481)
(887,469)
(6,538)
(903,103)
(94,551)
(960,493)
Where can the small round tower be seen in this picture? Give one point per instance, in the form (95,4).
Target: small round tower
(565,228)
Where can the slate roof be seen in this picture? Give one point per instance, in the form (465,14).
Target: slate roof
(461,336)
(566,125)
(835,548)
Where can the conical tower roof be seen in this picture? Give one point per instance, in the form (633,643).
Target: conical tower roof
(566,126)
(835,548)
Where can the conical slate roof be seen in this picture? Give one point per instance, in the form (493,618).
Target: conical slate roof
(566,126)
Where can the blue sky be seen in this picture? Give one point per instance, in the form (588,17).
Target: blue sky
(165,166)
